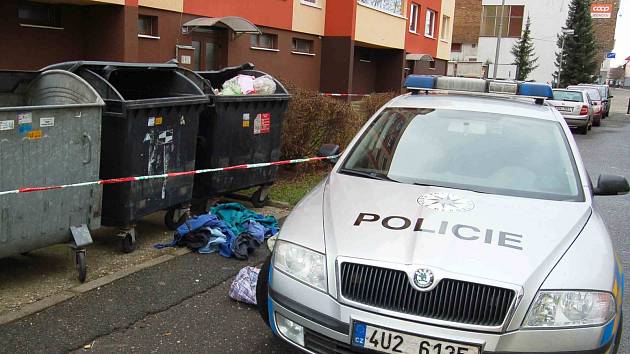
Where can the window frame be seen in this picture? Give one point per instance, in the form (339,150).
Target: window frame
(312,3)
(54,20)
(445,28)
(296,50)
(429,23)
(257,44)
(413,17)
(154,30)
(512,17)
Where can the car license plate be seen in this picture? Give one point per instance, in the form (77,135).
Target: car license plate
(564,109)
(387,341)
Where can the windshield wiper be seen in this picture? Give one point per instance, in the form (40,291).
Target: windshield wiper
(372,175)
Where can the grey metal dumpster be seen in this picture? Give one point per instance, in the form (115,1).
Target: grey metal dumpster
(50,131)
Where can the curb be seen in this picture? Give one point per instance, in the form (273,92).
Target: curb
(68,294)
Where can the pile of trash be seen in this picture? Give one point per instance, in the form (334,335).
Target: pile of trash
(230,229)
(248,85)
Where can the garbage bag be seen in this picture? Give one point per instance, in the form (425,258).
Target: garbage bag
(265,85)
(243,287)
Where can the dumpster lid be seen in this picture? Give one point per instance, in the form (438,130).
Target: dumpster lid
(235,23)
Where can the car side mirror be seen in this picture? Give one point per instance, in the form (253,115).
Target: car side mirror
(610,96)
(595,103)
(328,150)
(611,185)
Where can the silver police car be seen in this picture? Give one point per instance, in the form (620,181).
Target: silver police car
(455,222)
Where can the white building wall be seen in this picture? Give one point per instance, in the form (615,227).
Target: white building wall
(469,52)
(548,17)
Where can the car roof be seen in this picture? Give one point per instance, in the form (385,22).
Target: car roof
(568,90)
(523,107)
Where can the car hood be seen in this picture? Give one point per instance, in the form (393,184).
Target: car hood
(501,238)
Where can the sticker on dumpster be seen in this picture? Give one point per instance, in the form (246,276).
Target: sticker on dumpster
(165,137)
(266,123)
(25,118)
(151,121)
(257,124)
(7,124)
(182,120)
(25,128)
(34,134)
(245,120)
(158,120)
(47,122)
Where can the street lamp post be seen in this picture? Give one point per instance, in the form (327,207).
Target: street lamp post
(565,33)
(498,47)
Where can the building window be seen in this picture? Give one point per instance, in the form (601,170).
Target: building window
(310,2)
(456,47)
(303,46)
(512,20)
(393,6)
(37,14)
(429,24)
(432,64)
(148,25)
(413,18)
(446,27)
(364,54)
(264,41)
(474,45)
(472,59)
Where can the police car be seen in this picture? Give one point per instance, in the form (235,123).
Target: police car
(459,220)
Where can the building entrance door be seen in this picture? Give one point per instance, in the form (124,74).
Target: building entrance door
(210,50)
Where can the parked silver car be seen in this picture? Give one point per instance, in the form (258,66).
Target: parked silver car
(453,223)
(576,107)
(596,99)
(605,93)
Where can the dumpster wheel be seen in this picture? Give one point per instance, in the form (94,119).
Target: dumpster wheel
(175,217)
(79,257)
(128,243)
(260,198)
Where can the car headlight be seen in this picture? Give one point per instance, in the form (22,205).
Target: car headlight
(301,263)
(570,309)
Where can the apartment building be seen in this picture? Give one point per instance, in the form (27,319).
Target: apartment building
(341,46)
(477,24)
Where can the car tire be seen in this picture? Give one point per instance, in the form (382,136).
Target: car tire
(597,121)
(583,130)
(262,291)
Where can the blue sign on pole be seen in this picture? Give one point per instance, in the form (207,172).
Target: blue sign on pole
(610,55)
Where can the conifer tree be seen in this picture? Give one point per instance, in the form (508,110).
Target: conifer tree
(524,54)
(578,60)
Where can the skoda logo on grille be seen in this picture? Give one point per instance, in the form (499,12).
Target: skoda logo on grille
(423,278)
(445,202)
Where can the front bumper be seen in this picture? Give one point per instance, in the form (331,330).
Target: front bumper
(327,326)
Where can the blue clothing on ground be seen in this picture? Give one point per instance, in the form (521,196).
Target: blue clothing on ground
(236,215)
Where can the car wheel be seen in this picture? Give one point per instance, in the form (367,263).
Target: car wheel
(262,291)
(597,121)
(583,130)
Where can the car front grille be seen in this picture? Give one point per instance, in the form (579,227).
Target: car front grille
(451,300)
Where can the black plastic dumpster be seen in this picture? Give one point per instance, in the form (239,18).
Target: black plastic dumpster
(50,135)
(235,130)
(149,127)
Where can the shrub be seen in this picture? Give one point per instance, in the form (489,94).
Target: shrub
(374,102)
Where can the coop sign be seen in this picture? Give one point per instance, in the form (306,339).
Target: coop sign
(601,10)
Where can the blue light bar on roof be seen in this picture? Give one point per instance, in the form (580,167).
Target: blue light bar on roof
(535,89)
(420,82)
(460,84)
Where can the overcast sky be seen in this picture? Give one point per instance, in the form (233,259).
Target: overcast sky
(622,34)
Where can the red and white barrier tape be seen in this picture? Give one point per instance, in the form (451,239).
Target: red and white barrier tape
(326,94)
(166,175)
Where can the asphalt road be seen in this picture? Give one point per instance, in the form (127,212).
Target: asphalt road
(182,306)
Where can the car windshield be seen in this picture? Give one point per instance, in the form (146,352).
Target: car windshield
(477,151)
(572,96)
(593,92)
